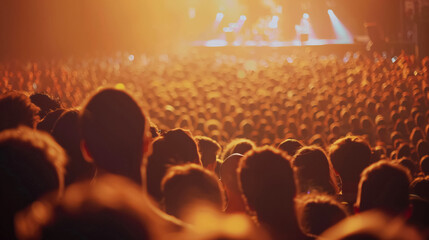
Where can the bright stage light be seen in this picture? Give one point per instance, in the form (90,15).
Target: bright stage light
(243,18)
(305,16)
(274,22)
(219,17)
(342,33)
(131,58)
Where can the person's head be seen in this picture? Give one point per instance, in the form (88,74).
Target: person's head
(317,213)
(420,187)
(268,188)
(175,147)
(422,148)
(314,171)
(424,165)
(17,109)
(186,186)
(110,208)
(48,122)
(66,133)
(228,173)
(209,150)
(349,157)
(45,102)
(31,165)
(290,146)
(238,145)
(384,186)
(113,129)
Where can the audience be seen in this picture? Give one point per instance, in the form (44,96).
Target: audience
(352,130)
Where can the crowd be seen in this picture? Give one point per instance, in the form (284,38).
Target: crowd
(215,146)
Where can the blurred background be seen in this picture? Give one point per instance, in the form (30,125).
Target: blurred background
(79,27)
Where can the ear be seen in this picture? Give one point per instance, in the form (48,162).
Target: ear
(85,153)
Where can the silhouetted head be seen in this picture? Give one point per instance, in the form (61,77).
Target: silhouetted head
(66,133)
(424,165)
(31,165)
(48,122)
(290,146)
(314,171)
(238,145)
(384,186)
(16,109)
(45,102)
(110,208)
(175,147)
(268,186)
(209,150)
(349,157)
(113,129)
(317,213)
(186,186)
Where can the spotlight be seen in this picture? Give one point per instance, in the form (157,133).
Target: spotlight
(306,16)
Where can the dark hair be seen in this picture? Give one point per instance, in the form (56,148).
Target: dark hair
(318,212)
(314,171)
(16,109)
(110,208)
(175,147)
(113,128)
(420,187)
(268,186)
(31,165)
(290,146)
(66,133)
(45,102)
(48,122)
(187,185)
(208,149)
(349,157)
(424,165)
(384,186)
(238,145)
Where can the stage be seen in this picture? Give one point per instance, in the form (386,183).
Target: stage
(320,47)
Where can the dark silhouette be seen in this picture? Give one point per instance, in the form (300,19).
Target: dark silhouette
(384,186)
(314,171)
(16,109)
(31,165)
(175,147)
(66,133)
(113,129)
(266,180)
(185,186)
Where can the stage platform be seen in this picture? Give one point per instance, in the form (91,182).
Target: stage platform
(321,47)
